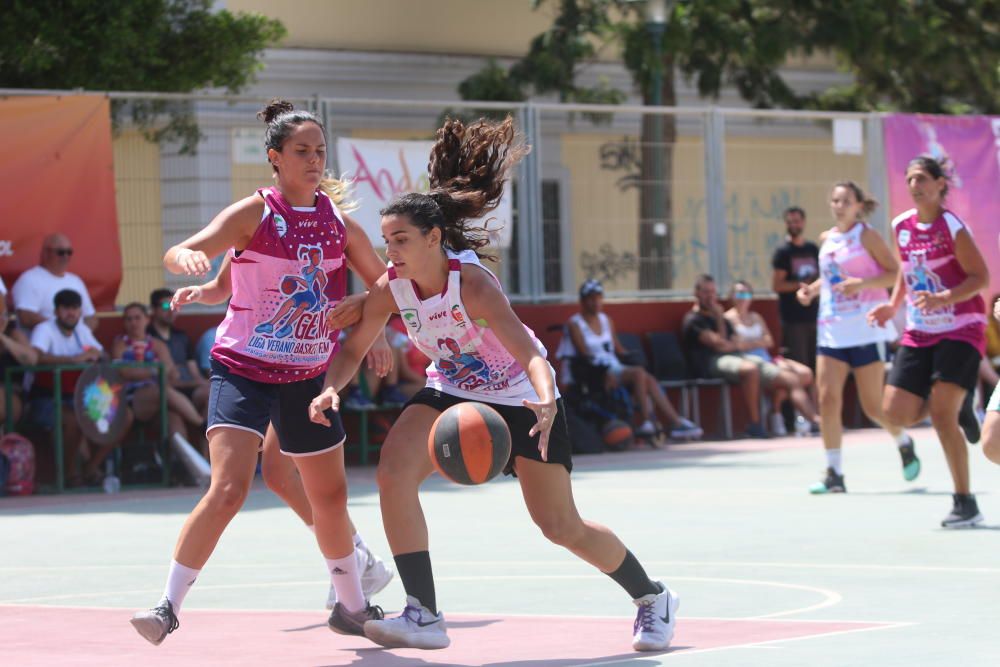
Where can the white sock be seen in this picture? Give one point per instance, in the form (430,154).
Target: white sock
(359,542)
(347,580)
(833,460)
(902,439)
(179,582)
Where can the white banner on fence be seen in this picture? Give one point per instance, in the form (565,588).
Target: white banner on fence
(383,169)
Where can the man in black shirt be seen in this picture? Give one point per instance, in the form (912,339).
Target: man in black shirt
(794,263)
(708,342)
(190,381)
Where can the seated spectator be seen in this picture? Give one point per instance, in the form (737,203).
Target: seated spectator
(203,351)
(36,288)
(400,383)
(15,350)
(707,337)
(143,389)
(752,332)
(65,340)
(592,336)
(189,380)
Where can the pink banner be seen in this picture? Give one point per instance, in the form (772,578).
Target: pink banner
(970,145)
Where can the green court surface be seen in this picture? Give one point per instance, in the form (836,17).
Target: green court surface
(767,574)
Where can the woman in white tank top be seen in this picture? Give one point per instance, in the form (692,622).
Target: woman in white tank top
(591,334)
(793,378)
(856,267)
(456,313)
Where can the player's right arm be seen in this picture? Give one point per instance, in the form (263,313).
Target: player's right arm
(344,365)
(232,228)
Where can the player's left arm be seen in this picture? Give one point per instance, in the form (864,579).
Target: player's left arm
(484,300)
(977,274)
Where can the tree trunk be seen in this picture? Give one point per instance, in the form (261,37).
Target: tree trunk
(655,205)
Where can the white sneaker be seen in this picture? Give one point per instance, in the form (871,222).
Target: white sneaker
(375,576)
(646,429)
(654,623)
(778,425)
(416,627)
(686,430)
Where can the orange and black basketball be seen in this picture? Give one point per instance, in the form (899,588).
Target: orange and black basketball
(469,443)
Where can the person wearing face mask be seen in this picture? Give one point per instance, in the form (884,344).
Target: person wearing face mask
(791,377)
(856,267)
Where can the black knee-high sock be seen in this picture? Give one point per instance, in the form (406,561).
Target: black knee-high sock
(417,577)
(631,576)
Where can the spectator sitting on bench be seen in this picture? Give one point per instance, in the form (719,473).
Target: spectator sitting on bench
(792,378)
(15,350)
(707,338)
(591,333)
(400,383)
(143,389)
(66,339)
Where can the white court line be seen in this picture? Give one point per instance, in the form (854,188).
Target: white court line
(830,598)
(541,563)
(764,644)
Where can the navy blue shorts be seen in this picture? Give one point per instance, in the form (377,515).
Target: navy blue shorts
(248,405)
(857,356)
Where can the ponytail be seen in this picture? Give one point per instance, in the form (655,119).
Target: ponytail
(467,169)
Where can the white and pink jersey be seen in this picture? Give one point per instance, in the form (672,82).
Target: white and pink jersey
(286,280)
(843,320)
(929,264)
(467,359)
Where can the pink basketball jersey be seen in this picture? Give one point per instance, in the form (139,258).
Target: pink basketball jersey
(467,359)
(284,283)
(929,265)
(843,320)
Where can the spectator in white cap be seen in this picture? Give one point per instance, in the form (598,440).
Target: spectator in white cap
(592,335)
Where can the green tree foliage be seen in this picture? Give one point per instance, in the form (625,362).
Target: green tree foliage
(133,45)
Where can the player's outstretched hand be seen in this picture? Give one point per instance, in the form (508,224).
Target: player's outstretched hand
(327,400)
(546,415)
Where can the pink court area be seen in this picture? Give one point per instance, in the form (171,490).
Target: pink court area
(36,636)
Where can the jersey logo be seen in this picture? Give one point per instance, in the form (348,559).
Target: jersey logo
(280,225)
(456,314)
(411,318)
(304,295)
(904,238)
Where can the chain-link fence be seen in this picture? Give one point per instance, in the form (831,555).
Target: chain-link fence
(643,199)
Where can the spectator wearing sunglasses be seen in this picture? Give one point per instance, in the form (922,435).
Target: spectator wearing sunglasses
(34,292)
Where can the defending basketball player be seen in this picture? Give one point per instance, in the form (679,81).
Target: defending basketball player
(456,313)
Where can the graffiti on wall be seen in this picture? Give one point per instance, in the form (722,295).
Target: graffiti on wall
(607,264)
(624,155)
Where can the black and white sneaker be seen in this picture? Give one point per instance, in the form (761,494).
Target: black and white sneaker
(344,622)
(964,512)
(833,483)
(969,420)
(155,624)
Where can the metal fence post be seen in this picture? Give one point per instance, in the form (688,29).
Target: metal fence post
(531,240)
(875,167)
(715,195)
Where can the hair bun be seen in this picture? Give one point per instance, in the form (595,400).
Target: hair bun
(275,108)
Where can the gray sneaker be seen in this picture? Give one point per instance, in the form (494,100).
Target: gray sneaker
(416,627)
(344,622)
(155,624)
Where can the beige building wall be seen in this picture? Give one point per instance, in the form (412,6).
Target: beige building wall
(764,176)
(137,196)
(481,27)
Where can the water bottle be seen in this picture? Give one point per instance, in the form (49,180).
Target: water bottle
(111,482)
(801,426)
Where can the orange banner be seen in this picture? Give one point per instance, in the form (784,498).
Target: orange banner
(58,176)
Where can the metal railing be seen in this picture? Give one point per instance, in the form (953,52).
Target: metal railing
(57,371)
